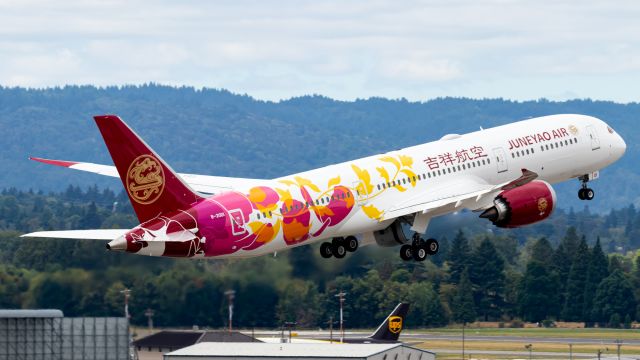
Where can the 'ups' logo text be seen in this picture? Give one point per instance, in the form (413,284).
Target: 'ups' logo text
(395,324)
(145,179)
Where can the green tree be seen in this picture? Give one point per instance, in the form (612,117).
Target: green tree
(542,252)
(538,297)
(596,272)
(487,276)
(573,309)
(299,301)
(614,297)
(426,308)
(462,306)
(459,257)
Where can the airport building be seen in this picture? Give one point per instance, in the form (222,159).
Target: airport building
(299,351)
(47,334)
(153,347)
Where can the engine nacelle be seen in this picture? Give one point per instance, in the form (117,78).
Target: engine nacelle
(392,235)
(523,205)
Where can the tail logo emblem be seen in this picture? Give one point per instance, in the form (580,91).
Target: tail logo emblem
(145,179)
(395,324)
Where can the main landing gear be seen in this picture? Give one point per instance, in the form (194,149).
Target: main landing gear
(585,193)
(338,247)
(419,249)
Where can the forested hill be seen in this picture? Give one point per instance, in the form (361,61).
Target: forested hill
(219,133)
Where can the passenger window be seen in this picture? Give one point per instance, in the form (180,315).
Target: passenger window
(414,178)
(488,161)
(532,151)
(378,187)
(527,151)
(449,170)
(429,175)
(258,216)
(541,147)
(566,142)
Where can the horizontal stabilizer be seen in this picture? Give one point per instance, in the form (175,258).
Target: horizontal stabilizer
(205,184)
(100,234)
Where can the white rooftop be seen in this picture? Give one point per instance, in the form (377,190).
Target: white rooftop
(283,350)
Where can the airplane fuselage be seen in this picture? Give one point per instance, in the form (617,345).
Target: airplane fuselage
(357,197)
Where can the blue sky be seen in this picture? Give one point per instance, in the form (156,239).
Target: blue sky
(342,49)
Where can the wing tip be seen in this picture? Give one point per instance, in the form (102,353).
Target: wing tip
(62,163)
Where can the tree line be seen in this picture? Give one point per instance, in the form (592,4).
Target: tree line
(479,275)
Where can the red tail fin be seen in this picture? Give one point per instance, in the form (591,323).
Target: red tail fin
(153,187)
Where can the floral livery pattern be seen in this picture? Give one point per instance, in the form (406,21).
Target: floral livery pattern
(298,210)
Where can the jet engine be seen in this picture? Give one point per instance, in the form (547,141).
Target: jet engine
(522,205)
(392,235)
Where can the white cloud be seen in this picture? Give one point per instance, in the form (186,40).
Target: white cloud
(343,49)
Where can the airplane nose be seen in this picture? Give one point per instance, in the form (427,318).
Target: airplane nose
(618,147)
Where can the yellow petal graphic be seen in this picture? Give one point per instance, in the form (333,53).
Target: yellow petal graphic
(383,172)
(284,194)
(372,212)
(333,182)
(288,182)
(306,182)
(411,175)
(364,176)
(401,188)
(389,159)
(406,160)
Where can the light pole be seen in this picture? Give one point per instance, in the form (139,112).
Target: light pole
(230,296)
(618,344)
(529,347)
(290,324)
(570,351)
(149,314)
(126,293)
(463,325)
(340,296)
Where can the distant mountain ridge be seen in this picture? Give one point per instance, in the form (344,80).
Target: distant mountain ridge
(216,132)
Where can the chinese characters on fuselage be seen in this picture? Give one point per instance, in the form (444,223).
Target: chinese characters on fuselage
(458,157)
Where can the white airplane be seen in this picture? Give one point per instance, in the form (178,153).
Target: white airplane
(504,173)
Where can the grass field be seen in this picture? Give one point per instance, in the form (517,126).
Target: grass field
(590,333)
(561,347)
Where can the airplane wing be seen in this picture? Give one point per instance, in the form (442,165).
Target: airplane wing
(202,183)
(101,234)
(469,193)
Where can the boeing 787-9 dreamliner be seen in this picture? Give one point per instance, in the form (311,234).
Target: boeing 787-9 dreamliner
(503,173)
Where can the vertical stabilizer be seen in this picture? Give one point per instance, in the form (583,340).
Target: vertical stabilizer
(391,327)
(153,187)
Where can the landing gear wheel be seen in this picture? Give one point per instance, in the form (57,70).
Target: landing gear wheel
(351,243)
(432,246)
(420,251)
(406,252)
(589,194)
(581,194)
(325,250)
(338,249)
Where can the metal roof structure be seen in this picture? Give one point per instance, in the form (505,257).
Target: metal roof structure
(30,314)
(179,339)
(285,350)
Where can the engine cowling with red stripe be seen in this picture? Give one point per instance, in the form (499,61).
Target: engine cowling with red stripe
(523,205)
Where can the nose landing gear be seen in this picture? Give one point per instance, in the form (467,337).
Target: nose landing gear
(585,193)
(419,249)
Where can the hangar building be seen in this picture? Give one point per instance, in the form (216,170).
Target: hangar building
(47,334)
(299,351)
